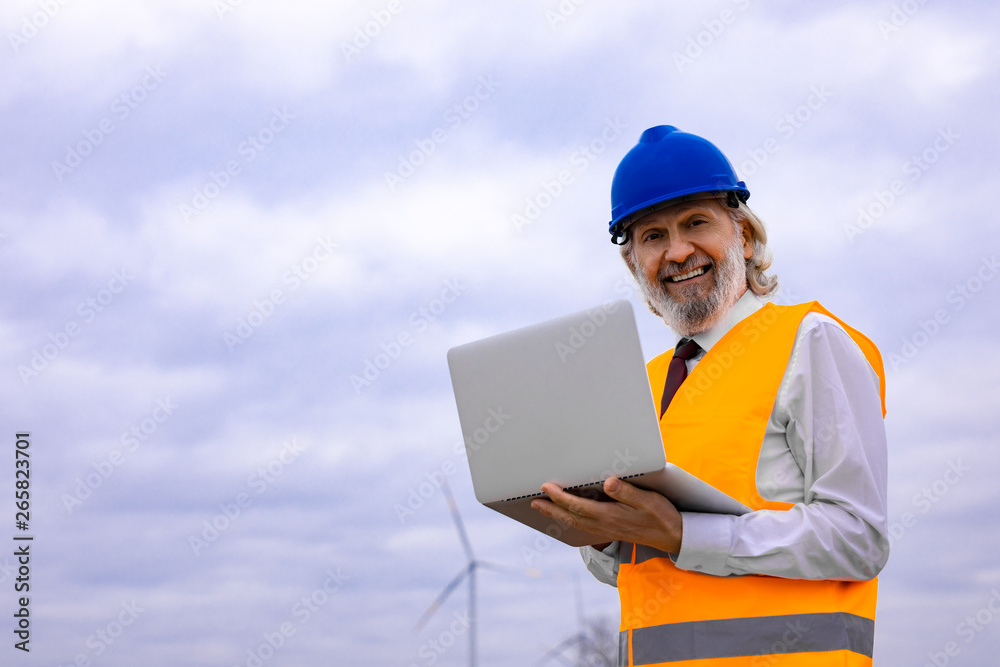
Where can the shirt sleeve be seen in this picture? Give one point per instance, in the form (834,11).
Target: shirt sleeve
(602,564)
(830,409)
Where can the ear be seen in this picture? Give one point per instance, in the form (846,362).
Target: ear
(747,233)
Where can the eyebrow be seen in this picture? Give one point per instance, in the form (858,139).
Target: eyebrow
(641,226)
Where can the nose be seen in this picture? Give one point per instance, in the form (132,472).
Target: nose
(678,249)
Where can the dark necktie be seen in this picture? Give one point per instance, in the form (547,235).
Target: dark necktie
(677,371)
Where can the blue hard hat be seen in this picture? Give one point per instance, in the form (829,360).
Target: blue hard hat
(668,165)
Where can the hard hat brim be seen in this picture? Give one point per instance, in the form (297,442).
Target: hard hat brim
(619,227)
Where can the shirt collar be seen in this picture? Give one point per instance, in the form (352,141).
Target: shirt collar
(745,306)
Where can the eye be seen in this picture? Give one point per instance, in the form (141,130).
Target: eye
(650,236)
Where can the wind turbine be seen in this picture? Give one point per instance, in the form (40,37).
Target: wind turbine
(469,571)
(587,644)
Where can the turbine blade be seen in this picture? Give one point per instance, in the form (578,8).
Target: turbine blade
(578,594)
(458,520)
(531,573)
(426,616)
(557,651)
(501,568)
(472,614)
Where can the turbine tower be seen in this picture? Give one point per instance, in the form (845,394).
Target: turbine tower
(469,571)
(588,640)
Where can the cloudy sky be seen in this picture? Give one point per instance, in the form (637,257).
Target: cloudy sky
(237,239)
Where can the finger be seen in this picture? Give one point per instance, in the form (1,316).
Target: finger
(572,502)
(633,496)
(553,511)
(567,518)
(558,496)
(550,489)
(621,491)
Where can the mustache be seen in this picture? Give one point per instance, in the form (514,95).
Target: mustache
(676,269)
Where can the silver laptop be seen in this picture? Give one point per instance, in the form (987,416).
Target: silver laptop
(566,401)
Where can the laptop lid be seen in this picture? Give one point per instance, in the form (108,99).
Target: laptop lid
(567,401)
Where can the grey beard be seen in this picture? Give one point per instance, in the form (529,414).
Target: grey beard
(697,315)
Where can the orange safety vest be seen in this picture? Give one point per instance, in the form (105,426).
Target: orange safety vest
(714,429)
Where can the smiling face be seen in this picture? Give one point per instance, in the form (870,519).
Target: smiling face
(690,262)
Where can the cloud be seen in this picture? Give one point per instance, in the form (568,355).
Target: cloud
(352,216)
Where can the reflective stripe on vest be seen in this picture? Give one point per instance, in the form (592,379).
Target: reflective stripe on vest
(714,429)
(757,636)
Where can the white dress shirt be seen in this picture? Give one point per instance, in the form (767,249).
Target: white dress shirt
(824,449)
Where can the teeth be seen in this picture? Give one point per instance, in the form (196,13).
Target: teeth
(685,276)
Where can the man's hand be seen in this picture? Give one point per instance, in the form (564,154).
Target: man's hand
(643,517)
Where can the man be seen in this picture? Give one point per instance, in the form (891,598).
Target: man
(782,410)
